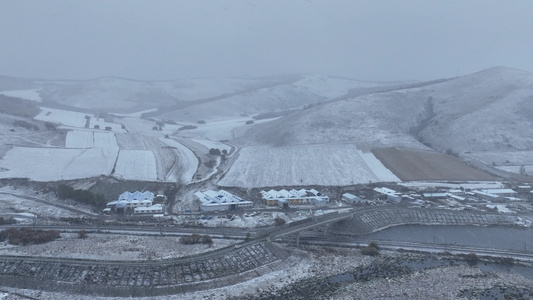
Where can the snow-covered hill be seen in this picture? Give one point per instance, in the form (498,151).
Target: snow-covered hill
(491,109)
(186,99)
(487,112)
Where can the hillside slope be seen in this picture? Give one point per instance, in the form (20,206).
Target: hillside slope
(485,111)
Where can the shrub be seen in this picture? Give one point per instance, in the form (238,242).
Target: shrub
(50,126)
(373,245)
(214,151)
(82,234)
(26,125)
(187,127)
(196,239)
(25,236)
(249,122)
(201,122)
(372,249)
(210,164)
(64,191)
(471,258)
(279,221)
(7,220)
(369,251)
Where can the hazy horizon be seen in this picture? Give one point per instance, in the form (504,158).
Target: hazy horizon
(165,40)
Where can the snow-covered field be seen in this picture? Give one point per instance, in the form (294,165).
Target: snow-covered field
(327,164)
(65,117)
(89,139)
(137,165)
(50,164)
(220,130)
(32,94)
(187,162)
(113,247)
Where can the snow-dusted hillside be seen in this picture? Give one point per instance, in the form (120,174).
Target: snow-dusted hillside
(306,91)
(485,111)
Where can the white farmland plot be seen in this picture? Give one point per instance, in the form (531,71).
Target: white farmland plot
(335,165)
(65,117)
(51,164)
(89,139)
(104,139)
(79,139)
(136,164)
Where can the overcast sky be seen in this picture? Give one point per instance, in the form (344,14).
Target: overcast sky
(157,40)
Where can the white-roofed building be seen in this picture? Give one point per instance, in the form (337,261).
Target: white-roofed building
(130,201)
(294,197)
(221,200)
(153,209)
(351,198)
(392,195)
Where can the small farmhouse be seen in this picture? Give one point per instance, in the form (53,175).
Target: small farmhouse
(221,200)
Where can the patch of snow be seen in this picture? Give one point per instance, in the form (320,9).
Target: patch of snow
(32,94)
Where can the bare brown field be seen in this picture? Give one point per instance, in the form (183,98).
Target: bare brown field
(422,165)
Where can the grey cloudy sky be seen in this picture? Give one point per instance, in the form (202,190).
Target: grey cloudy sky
(363,39)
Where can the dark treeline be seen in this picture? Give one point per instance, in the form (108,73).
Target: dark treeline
(66,192)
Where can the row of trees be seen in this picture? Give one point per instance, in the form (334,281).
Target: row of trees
(25,236)
(64,191)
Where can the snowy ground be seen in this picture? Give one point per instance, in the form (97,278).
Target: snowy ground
(65,117)
(51,164)
(32,94)
(90,139)
(136,164)
(113,247)
(326,164)
(220,130)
